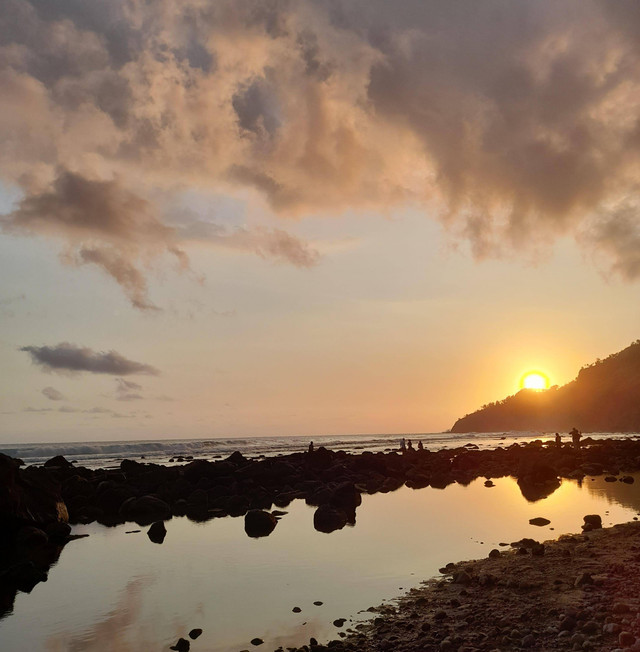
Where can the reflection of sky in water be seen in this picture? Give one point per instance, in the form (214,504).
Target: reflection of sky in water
(117,591)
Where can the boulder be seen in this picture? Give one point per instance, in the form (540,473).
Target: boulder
(539,521)
(592,522)
(59,461)
(157,532)
(258,523)
(328,519)
(145,510)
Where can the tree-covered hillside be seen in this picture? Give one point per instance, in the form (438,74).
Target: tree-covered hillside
(605,397)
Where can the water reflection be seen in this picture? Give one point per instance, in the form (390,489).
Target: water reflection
(120,591)
(115,630)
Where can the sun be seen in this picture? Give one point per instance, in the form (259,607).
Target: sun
(534,380)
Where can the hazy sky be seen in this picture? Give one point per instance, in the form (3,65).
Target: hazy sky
(243,217)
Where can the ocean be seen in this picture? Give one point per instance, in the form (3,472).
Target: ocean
(106,454)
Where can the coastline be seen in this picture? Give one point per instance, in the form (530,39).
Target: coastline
(574,592)
(332,482)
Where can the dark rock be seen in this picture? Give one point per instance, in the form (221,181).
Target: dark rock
(296,610)
(258,523)
(31,537)
(626,639)
(181,646)
(318,603)
(594,521)
(583,579)
(59,461)
(157,532)
(194,633)
(610,478)
(256,641)
(539,521)
(627,479)
(328,519)
(339,622)
(58,531)
(489,483)
(495,553)
(145,510)
(32,495)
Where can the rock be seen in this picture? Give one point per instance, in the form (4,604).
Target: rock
(157,532)
(567,624)
(258,523)
(339,622)
(627,479)
(539,521)
(328,519)
(256,641)
(494,554)
(145,510)
(538,551)
(489,483)
(181,646)
(462,577)
(194,633)
(611,628)
(583,579)
(621,608)
(59,461)
(31,537)
(594,520)
(626,639)
(296,610)
(318,603)
(29,496)
(58,531)
(610,478)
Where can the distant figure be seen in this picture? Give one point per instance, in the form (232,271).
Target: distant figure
(409,445)
(575,437)
(310,447)
(420,446)
(403,445)
(558,440)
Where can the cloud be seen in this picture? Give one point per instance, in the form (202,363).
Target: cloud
(53,394)
(499,117)
(274,244)
(69,358)
(94,411)
(126,390)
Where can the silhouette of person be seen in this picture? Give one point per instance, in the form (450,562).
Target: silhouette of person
(420,446)
(575,437)
(403,445)
(558,440)
(409,445)
(311,447)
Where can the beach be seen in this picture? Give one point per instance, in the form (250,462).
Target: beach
(347,530)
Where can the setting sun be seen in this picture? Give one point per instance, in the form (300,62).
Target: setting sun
(534,380)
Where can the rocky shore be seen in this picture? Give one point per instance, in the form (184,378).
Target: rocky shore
(579,592)
(38,504)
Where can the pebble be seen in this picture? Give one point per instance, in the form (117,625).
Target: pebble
(296,610)
(256,641)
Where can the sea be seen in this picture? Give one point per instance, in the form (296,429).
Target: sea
(108,454)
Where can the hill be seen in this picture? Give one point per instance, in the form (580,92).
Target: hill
(604,397)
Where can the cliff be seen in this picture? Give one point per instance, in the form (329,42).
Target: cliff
(604,397)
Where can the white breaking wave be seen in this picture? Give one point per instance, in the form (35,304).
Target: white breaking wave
(162,451)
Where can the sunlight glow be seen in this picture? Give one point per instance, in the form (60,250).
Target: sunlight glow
(534,380)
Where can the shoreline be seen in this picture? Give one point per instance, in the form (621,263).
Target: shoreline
(36,502)
(577,592)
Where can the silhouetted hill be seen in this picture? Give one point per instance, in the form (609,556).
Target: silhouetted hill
(605,397)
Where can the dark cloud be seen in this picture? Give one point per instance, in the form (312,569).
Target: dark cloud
(53,394)
(69,358)
(500,117)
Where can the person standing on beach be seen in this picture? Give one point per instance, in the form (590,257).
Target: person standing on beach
(403,445)
(420,446)
(558,440)
(311,447)
(575,437)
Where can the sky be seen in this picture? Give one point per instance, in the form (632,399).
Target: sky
(250,218)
